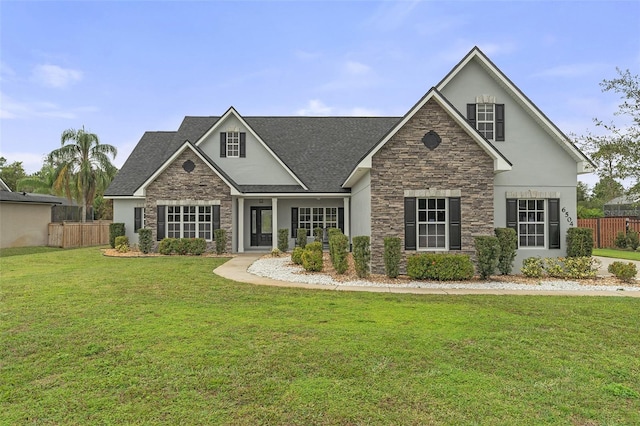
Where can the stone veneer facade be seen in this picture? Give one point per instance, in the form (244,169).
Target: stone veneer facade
(404,163)
(202,184)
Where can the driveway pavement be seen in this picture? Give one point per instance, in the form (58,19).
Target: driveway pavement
(236,269)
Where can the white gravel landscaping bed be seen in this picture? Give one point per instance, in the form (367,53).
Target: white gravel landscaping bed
(281,268)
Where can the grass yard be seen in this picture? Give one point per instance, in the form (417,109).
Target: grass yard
(619,254)
(87,339)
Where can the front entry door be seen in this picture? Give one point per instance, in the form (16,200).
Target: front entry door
(261,226)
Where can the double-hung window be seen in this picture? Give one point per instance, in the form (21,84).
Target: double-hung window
(309,218)
(536,221)
(488,118)
(233,144)
(432,223)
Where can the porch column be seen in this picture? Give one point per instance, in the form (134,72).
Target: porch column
(347,218)
(274,226)
(240,225)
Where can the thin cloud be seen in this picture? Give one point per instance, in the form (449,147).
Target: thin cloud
(12,109)
(571,70)
(54,76)
(392,15)
(356,68)
(316,107)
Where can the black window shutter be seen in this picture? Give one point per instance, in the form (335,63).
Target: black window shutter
(243,145)
(455,224)
(410,223)
(471,114)
(554,223)
(341,218)
(294,222)
(137,219)
(215,220)
(161,225)
(223,144)
(500,122)
(512,214)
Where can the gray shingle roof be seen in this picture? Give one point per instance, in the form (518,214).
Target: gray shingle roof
(321,151)
(21,197)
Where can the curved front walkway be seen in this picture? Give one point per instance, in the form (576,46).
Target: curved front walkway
(236,269)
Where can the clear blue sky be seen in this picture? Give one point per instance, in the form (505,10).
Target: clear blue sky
(122,67)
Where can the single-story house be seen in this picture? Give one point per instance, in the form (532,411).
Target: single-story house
(474,153)
(24,218)
(622,206)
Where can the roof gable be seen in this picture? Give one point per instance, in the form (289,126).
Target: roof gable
(585,165)
(500,162)
(141,191)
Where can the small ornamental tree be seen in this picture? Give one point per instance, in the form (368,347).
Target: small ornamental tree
(487,253)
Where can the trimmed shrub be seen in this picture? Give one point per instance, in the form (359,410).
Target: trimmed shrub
(554,266)
(181,246)
(581,267)
(301,238)
(197,246)
(579,242)
(122,243)
(508,239)
(440,267)
(115,230)
(362,255)
(296,255)
(145,240)
(312,258)
(487,253)
(392,255)
(633,241)
(276,252)
(283,239)
(532,267)
(318,234)
(166,246)
(220,236)
(621,240)
(315,246)
(623,271)
(338,249)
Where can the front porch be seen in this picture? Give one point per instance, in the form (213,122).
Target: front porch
(257,218)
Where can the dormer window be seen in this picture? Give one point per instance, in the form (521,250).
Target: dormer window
(488,117)
(233,144)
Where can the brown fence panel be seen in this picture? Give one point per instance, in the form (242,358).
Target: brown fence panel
(605,229)
(74,234)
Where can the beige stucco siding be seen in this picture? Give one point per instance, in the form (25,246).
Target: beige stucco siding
(24,224)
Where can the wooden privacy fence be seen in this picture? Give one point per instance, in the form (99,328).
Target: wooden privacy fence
(75,234)
(605,229)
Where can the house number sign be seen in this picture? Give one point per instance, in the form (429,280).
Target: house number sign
(566,215)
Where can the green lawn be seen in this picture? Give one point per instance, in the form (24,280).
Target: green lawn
(87,339)
(619,254)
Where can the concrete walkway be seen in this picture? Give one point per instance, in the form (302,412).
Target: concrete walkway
(236,269)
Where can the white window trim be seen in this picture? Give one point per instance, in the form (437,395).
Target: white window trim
(325,223)
(233,144)
(545,225)
(492,121)
(181,222)
(446,225)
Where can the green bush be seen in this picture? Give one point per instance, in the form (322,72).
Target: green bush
(122,243)
(362,255)
(115,230)
(338,249)
(487,253)
(220,236)
(440,267)
(532,267)
(318,234)
(166,246)
(145,240)
(276,252)
(283,239)
(296,255)
(301,238)
(554,267)
(508,239)
(632,240)
(621,240)
(197,246)
(315,246)
(579,242)
(581,267)
(623,271)
(392,255)
(312,258)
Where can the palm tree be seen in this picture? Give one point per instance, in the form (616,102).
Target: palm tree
(82,166)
